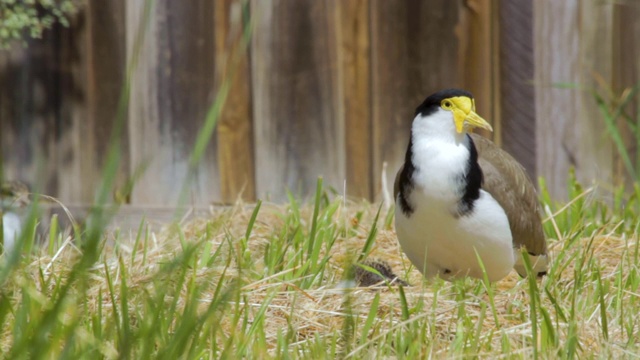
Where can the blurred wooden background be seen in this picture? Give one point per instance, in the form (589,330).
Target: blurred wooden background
(324,88)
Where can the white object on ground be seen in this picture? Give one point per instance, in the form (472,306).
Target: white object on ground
(12,229)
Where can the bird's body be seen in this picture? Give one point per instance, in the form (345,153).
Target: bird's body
(455,198)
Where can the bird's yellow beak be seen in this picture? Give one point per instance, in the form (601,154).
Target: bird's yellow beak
(464,114)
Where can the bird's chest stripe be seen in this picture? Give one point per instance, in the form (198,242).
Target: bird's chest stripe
(472,180)
(406,183)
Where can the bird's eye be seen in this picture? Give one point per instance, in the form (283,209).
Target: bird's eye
(447,104)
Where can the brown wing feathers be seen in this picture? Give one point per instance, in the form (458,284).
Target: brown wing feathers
(507,181)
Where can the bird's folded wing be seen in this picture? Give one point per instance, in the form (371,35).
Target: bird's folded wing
(507,181)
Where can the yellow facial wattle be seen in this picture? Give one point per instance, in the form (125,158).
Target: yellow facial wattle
(463,109)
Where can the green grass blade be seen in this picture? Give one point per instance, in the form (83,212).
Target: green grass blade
(404,305)
(610,121)
(252,220)
(368,324)
(604,323)
(534,300)
(314,218)
(371,238)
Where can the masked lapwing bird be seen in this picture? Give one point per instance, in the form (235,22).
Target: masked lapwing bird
(462,203)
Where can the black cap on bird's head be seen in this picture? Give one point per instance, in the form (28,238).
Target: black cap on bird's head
(459,102)
(433,101)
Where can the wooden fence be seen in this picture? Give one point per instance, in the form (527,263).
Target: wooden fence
(324,88)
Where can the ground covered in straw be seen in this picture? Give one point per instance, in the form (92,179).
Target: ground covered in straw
(275,281)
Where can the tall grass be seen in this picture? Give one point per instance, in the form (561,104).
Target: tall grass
(619,120)
(269,282)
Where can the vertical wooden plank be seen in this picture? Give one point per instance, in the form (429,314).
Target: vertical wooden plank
(11,62)
(298,132)
(105,72)
(626,75)
(29,106)
(75,163)
(517,94)
(171,91)
(478,59)
(572,41)
(235,127)
(413,54)
(354,73)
